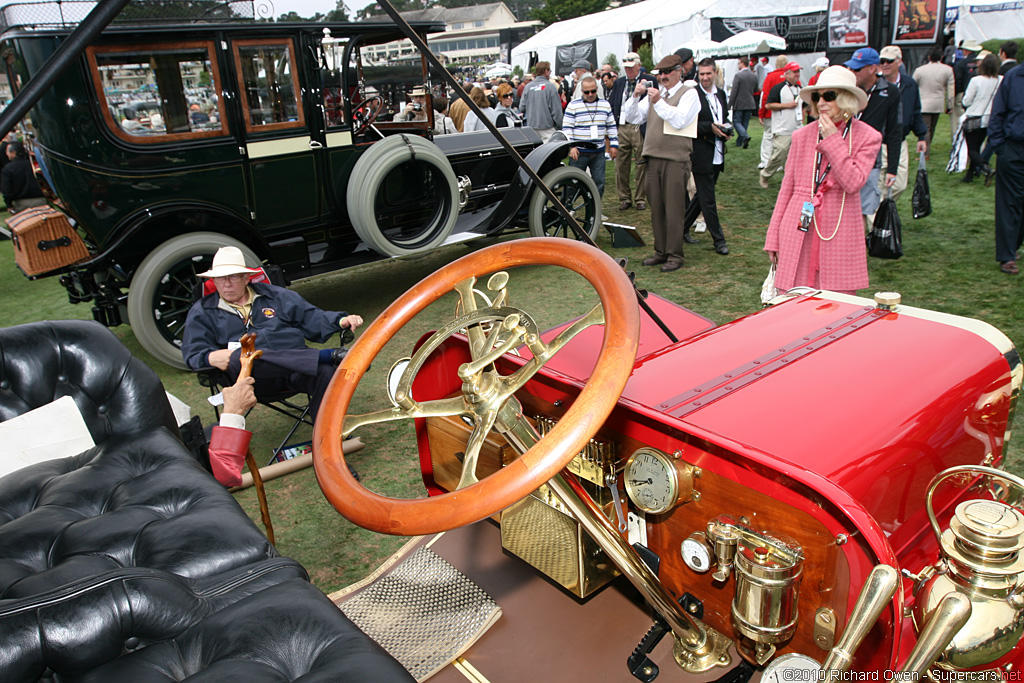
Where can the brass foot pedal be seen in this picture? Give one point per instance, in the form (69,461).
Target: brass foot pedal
(425,613)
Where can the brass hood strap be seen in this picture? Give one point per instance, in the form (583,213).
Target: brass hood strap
(704,394)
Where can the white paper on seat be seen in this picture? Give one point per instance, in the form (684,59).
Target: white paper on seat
(53,431)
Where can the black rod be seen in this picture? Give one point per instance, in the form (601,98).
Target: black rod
(436,65)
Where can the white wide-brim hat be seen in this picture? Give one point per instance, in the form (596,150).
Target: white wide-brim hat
(837,78)
(228,261)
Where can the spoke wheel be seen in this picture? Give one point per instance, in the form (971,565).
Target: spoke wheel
(540,463)
(578,193)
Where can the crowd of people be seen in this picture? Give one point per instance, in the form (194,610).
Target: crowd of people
(672,168)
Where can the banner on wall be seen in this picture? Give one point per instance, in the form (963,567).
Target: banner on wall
(847,24)
(802,32)
(567,55)
(918,22)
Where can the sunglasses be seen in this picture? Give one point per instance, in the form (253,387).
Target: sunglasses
(234,277)
(886,61)
(589,92)
(506,95)
(828,96)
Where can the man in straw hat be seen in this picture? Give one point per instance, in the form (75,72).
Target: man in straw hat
(668,110)
(890,59)
(416,107)
(282,321)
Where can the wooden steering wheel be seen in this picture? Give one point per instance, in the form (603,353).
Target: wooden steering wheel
(485,393)
(366,112)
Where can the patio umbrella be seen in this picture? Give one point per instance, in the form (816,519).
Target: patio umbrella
(702,47)
(752,42)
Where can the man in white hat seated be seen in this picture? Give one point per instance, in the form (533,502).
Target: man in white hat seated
(416,107)
(282,321)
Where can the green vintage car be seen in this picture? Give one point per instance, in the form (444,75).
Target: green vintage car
(165,141)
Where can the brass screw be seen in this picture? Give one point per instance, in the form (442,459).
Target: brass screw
(696,496)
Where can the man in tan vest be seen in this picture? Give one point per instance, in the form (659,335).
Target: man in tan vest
(668,110)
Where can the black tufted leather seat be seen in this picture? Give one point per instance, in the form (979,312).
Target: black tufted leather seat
(291,632)
(129,562)
(137,499)
(125,609)
(115,392)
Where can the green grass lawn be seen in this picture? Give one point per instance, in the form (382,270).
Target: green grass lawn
(949,266)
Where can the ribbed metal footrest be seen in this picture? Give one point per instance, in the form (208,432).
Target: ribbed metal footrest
(425,613)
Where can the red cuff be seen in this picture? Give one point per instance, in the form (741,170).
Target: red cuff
(228,447)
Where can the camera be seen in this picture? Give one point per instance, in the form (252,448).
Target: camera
(725,128)
(416,106)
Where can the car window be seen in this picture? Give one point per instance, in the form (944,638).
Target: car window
(159,92)
(394,70)
(269,84)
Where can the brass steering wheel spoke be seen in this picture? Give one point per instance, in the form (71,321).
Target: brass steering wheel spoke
(439,408)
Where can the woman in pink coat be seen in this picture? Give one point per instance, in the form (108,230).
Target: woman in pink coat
(828,164)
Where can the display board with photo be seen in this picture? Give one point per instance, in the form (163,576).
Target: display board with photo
(848,23)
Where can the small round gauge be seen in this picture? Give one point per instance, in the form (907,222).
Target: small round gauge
(652,481)
(792,668)
(697,553)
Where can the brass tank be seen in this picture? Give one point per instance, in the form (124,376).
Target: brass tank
(982,560)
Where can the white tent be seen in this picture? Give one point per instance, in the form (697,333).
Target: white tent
(668,22)
(982,20)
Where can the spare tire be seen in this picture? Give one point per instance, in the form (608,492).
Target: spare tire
(402,196)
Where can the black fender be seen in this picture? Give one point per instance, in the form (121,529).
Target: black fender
(541,160)
(144,230)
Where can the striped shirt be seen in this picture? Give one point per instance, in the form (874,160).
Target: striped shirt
(590,121)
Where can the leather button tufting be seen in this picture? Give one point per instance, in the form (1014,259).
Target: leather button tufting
(5,385)
(132,643)
(102,410)
(62,378)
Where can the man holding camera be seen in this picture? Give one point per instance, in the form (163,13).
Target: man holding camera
(708,157)
(416,107)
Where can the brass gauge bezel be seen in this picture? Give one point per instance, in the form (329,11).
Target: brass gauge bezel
(677,474)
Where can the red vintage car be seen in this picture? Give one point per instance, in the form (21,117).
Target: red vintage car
(810,492)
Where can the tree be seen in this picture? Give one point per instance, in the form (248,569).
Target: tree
(646,56)
(517,71)
(560,10)
(376,10)
(611,60)
(339,13)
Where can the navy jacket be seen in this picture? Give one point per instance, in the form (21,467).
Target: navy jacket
(1006,122)
(910,96)
(280,318)
(702,158)
(883,114)
(615,96)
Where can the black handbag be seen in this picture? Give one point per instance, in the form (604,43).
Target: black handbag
(884,240)
(921,201)
(972,123)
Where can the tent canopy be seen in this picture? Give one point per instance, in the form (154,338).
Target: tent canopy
(983,20)
(612,29)
(752,43)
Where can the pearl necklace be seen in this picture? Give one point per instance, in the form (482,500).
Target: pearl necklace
(814,174)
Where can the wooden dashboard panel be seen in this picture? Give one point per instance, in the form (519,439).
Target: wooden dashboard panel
(825,578)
